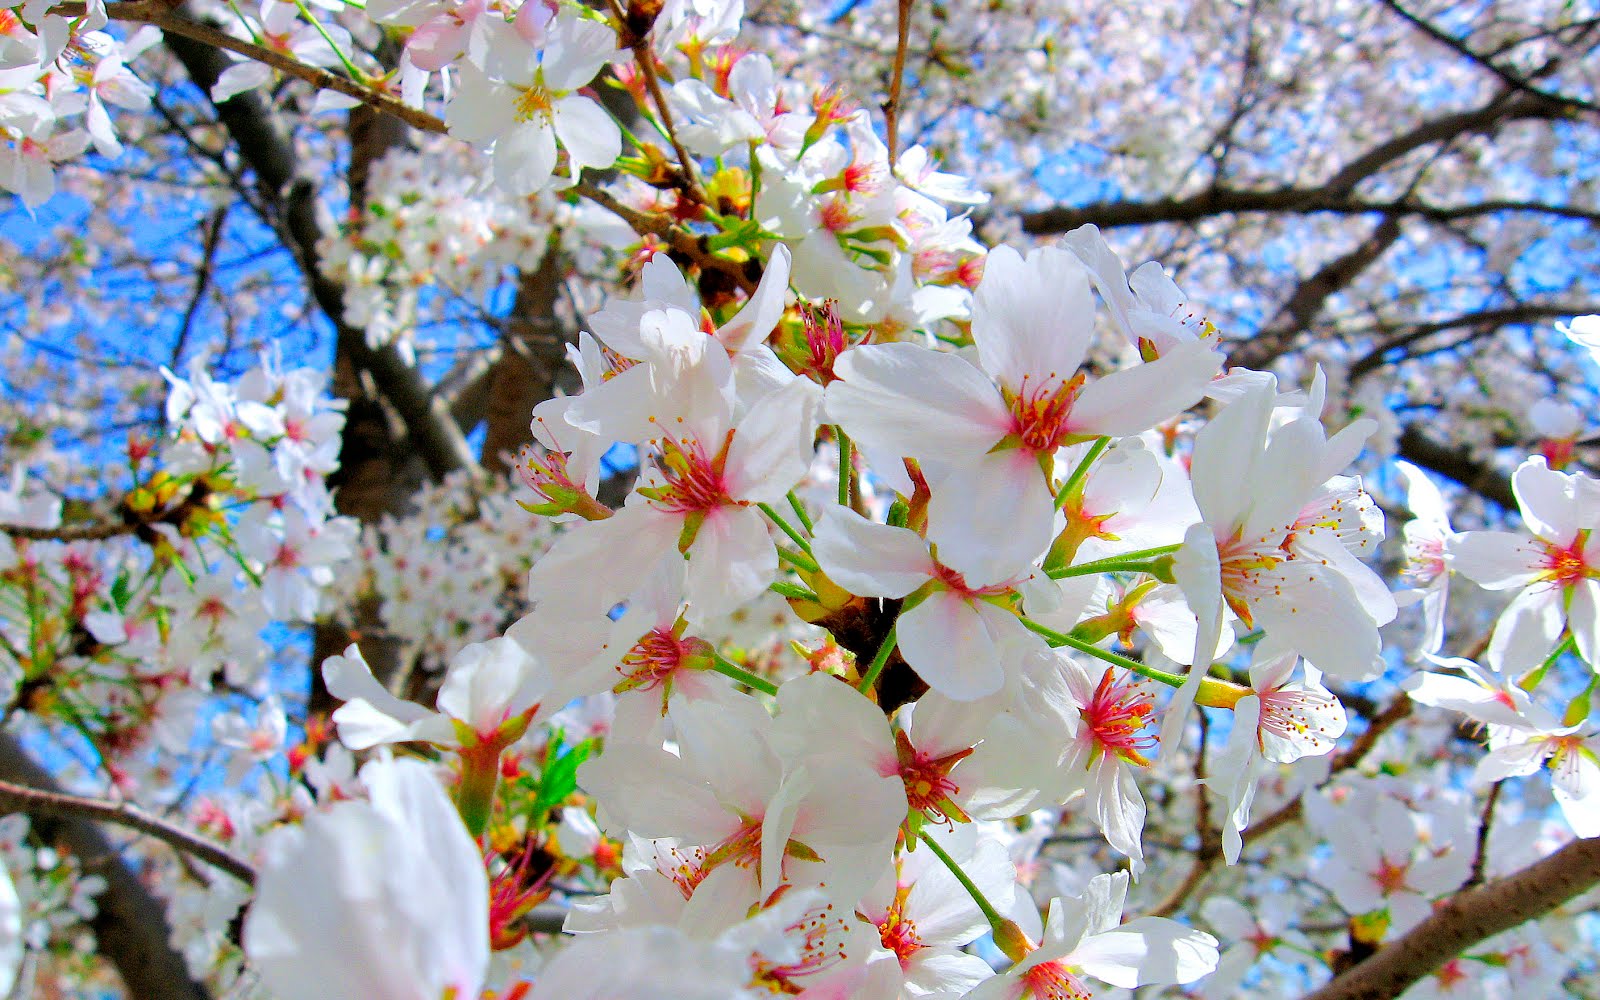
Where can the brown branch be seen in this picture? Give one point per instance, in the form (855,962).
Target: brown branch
(1521,313)
(70,532)
(1209,848)
(891,107)
(1457,464)
(130,923)
(662,227)
(1467,918)
(1308,298)
(1331,195)
(16,798)
(164,16)
(1480,856)
(638,42)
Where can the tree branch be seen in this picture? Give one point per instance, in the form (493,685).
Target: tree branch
(1467,918)
(130,923)
(268,149)
(16,798)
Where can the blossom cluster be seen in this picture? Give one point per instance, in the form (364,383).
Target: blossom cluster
(929,559)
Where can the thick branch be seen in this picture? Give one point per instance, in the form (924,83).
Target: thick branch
(1468,918)
(1457,464)
(1297,314)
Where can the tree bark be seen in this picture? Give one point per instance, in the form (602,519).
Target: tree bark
(1466,919)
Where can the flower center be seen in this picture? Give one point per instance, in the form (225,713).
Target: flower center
(693,480)
(929,789)
(1040,411)
(534,102)
(1390,877)
(1564,566)
(897,931)
(1246,571)
(1052,981)
(1115,718)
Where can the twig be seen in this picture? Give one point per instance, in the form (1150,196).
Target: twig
(70,532)
(37,802)
(639,43)
(162,16)
(1480,856)
(1208,850)
(891,107)
(646,224)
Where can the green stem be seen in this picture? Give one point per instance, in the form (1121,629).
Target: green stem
(787,528)
(793,590)
(1534,677)
(349,67)
(1055,638)
(989,912)
(728,668)
(871,676)
(800,512)
(480,772)
(799,560)
(1100,445)
(846,472)
(1126,562)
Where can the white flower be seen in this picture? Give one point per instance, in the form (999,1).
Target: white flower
(1084,936)
(379,900)
(490,695)
(526,102)
(1558,568)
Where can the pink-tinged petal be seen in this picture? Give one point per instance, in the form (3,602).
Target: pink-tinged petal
(651,793)
(1133,400)
(596,564)
(481,109)
(726,746)
(909,400)
(238,78)
(1496,560)
(946,641)
(1527,630)
(1032,319)
(1544,498)
(944,971)
(731,563)
(991,519)
(436,44)
(820,709)
(1516,760)
(870,559)
(772,447)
